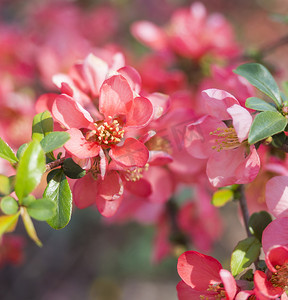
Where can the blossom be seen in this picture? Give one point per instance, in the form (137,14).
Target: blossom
(221,137)
(275,283)
(203,278)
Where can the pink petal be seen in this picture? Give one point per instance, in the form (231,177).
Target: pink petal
(161,104)
(198,270)
(217,101)
(71,114)
(115,94)
(242,121)
(140,113)
(228,167)
(109,194)
(45,102)
(149,34)
(277,255)
(133,78)
(84,191)
(78,146)
(131,154)
(263,287)
(185,292)
(277,195)
(159,158)
(275,234)
(141,187)
(94,72)
(229,284)
(244,295)
(103,163)
(198,140)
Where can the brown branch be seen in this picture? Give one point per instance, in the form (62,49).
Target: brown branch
(54,164)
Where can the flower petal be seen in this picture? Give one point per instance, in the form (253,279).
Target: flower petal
(277,195)
(131,154)
(133,78)
(198,270)
(229,284)
(71,114)
(115,93)
(217,101)
(78,146)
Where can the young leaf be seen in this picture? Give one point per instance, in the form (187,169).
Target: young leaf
(262,79)
(21,150)
(265,124)
(42,209)
(54,140)
(9,205)
(30,169)
(29,226)
(244,254)
(8,223)
(7,153)
(221,197)
(5,185)
(258,222)
(58,191)
(42,125)
(259,104)
(72,170)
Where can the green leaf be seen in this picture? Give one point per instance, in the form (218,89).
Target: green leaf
(278,140)
(259,104)
(6,185)
(7,153)
(30,169)
(258,222)
(42,125)
(265,124)
(41,209)
(262,79)
(54,140)
(221,197)
(245,253)
(9,205)
(72,170)
(58,191)
(21,150)
(8,223)
(29,226)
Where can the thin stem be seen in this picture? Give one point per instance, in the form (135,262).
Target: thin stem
(244,209)
(54,164)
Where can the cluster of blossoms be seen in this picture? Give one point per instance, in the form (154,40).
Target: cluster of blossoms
(144,136)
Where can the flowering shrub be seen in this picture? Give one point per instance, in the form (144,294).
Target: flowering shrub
(130,138)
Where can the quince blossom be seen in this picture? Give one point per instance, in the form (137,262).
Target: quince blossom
(221,137)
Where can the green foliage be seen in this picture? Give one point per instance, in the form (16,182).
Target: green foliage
(222,196)
(8,223)
(265,124)
(7,153)
(9,205)
(21,150)
(72,170)
(259,104)
(244,254)
(41,209)
(6,185)
(59,192)
(54,140)
(262,79)
(30,169)
(258,222)
(42,125)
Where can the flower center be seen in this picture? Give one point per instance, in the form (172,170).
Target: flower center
(226,139)
(135,174)
(106,133)
(280,278)
(218,289)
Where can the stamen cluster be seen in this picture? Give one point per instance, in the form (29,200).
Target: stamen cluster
(136,174)
(227,139)
(280,278)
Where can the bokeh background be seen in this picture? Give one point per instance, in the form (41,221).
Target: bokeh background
(90,259)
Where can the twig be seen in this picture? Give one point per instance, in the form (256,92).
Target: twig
(54,164)
(244,209)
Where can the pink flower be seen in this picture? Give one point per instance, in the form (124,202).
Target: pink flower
(275,283)
(203,276)
(230,159)
(121,111)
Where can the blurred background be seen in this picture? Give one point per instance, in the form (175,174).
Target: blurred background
(91,258)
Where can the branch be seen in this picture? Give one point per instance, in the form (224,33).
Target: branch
(54,164)
(244,209)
